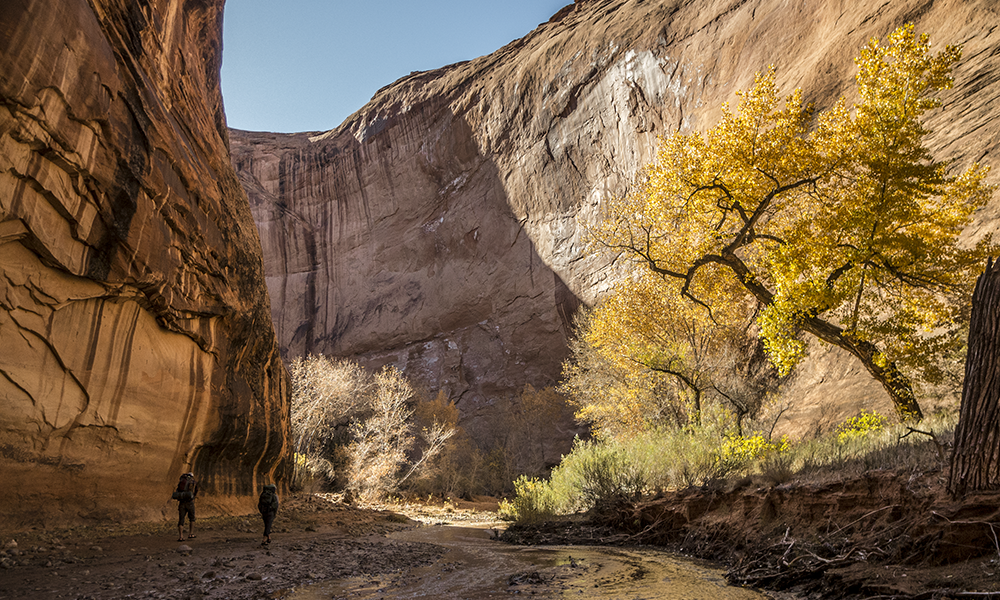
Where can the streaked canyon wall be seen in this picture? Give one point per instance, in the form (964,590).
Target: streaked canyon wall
(135,337)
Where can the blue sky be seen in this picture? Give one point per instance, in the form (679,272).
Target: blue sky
(306,65)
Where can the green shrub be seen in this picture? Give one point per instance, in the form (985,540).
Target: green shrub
(534,501)
(606,472)
(598,475)
(604,475)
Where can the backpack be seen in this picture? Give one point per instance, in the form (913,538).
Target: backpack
(268,501)
(185,488)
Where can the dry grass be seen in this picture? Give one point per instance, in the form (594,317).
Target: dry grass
(671,459)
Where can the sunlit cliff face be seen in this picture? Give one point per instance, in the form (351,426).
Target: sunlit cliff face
(133,313)
(442,228)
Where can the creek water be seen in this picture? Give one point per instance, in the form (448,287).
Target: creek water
(476,568)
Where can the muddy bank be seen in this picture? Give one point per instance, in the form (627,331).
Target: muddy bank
(881,534)
(476,567)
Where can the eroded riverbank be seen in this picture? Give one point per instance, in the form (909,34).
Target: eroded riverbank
(892,535)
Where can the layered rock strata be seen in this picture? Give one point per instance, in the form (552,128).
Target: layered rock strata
(441,228)
(134,319)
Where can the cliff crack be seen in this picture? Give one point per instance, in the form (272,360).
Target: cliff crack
(20,387)
(55,354)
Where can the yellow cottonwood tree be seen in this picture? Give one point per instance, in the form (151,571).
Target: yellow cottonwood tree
(616,396)
(841,226)
(644,358)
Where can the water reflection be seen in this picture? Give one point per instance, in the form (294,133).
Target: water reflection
(477,568)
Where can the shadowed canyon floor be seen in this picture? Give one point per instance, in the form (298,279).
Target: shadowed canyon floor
(315,539)
(879,535)
(328,550)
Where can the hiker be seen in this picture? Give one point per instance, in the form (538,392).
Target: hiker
(267,504)
(186,492)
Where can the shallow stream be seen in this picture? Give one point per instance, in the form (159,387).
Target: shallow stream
(476,567)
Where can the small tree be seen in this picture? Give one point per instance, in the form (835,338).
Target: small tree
(846,229)
(351,425)
(327,396)
(667,356)
(435,424)
(381,442)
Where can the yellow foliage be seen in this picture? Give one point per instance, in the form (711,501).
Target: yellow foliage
(440,410)
(842,226)
(647,358)
(860,426)
(741,450)
(614,392)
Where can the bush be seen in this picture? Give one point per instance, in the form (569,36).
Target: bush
(594,475)
(737,452)
(674,457)
(860,426)
(534,500)
(604,475)
(357,430)
(607,472)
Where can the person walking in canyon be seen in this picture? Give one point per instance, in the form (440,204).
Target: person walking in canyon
(186,492)
(267,504)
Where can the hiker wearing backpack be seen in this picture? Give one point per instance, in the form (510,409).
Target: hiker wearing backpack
(267,504)
(186,492)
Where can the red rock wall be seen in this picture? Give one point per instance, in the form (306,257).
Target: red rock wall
(441,227)
(136,339)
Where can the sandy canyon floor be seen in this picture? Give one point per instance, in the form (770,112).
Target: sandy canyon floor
(318,539)
(315,539)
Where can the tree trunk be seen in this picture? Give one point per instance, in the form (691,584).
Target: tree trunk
(895,382)
(975,462)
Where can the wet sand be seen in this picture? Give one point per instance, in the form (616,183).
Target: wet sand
(476,567)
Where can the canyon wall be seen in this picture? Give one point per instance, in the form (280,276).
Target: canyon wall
(134,318)
(440,228)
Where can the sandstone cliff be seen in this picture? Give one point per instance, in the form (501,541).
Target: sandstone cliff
(440,228)
(136,339)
